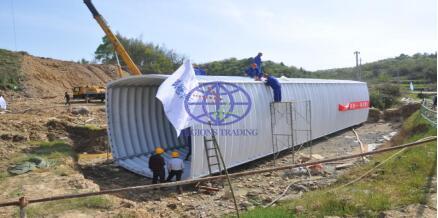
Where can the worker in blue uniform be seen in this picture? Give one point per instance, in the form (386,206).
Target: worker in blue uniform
(253,71)
(186,136)
(275,85)
(258,61)
(199,70)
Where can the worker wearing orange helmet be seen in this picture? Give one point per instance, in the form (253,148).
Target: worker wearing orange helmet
(156,165)
(175,167)
(252,71)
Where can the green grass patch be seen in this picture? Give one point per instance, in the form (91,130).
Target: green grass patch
(280,212)
(93,127)
(416,85)
(57,207)
(10,70)
(16,193)
(53,150)
(412,96)
(401,181)
(3,176)
(419,87)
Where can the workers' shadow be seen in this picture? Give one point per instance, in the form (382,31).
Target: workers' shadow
(109,176)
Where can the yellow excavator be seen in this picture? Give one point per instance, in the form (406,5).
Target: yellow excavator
(89,93)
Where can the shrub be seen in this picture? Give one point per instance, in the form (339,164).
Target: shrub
(10,65)
(384,96)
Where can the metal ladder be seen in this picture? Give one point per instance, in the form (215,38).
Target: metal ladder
(219,160)
(212,157)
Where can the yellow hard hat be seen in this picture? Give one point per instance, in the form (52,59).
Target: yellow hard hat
(175,154)
(159,150)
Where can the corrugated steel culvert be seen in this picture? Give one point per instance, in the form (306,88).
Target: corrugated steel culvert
(137,123)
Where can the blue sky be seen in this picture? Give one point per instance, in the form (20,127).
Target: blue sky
(317,34)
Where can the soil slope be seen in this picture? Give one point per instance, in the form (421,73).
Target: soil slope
(45,77)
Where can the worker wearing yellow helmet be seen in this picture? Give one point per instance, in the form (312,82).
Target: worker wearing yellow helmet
(175,167)
(156,165)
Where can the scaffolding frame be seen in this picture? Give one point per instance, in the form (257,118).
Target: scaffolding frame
(296,118)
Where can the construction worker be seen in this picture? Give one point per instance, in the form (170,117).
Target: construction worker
(199,70)
(67,98)
(175,168)
(275,85)
(258,61)
(253,71)
(156,165)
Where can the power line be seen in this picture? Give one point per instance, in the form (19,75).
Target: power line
(13,25)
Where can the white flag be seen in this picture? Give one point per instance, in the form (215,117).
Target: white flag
(2,103)
(172,93)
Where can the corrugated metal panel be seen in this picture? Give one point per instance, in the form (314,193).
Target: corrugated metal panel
(137,123)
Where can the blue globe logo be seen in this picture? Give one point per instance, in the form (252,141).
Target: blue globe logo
(219,103)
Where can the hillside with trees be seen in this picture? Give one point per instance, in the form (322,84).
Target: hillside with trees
(153,58)
(420,66)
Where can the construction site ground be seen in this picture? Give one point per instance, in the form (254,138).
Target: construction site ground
(32,120)
(35,118)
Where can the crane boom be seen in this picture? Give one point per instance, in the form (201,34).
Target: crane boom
(133,69)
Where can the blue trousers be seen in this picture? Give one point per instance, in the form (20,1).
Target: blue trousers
(277,95)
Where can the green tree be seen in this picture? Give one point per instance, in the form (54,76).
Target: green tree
(148,57)
(83,61)
(235,67)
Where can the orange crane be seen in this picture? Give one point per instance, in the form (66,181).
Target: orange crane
(132,68)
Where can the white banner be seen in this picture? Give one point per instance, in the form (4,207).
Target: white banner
(172,93)
(2,103)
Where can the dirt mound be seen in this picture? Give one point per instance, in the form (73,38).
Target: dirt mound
(88,138)
(397,114)
(44,77)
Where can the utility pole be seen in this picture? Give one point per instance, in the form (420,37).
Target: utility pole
(357,64)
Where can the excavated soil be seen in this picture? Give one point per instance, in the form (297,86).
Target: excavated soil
(45,77)
(38,114)
(41,103)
